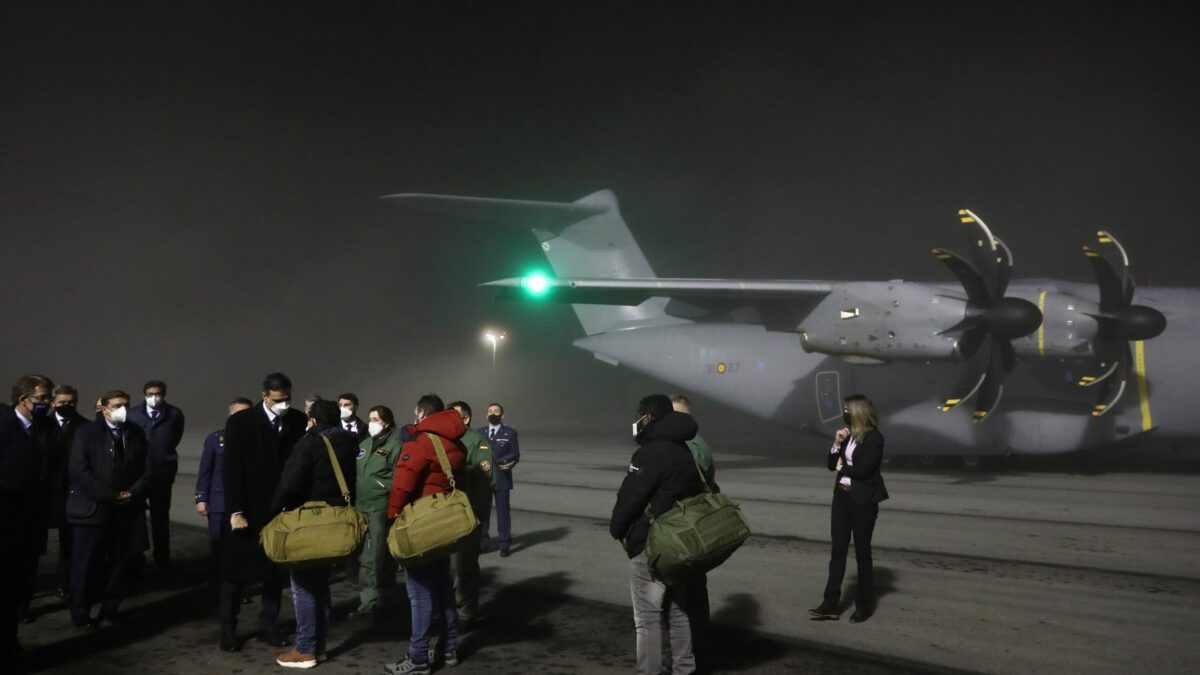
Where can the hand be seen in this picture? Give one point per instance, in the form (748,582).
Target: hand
(839,464)
(841,435)
(202,508)
(238,522)
(124,496)
(506,465)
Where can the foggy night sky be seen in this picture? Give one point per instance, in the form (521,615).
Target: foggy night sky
(188,189)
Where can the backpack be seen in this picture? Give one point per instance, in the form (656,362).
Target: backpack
(315,534)
(432,527)
(696,535)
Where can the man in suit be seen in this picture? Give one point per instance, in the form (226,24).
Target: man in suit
(505,454)
(210,490)
(258,442)
(110,472)
(162,424)
(18,476)
(348,409)
(64,422)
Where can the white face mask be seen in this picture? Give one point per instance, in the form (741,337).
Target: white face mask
(346,413)
(375,428)
(153,401)
(280,408)
(117,416)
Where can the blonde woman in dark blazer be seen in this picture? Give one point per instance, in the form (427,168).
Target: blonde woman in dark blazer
(856,456)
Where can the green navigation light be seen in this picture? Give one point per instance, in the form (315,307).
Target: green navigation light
(536,284)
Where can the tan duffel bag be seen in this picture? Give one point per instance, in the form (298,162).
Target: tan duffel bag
(315,534)
(432,527)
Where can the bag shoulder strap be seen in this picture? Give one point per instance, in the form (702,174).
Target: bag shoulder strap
(703,481)
(442,459)
(337,470)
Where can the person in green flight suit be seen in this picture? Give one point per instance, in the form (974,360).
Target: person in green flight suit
(697,589)
(377,457)
(479,483)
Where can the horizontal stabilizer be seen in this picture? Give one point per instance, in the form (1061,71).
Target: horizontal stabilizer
(635,291)
(549,216)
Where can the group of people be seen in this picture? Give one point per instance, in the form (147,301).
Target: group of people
(93,480)
(673,463)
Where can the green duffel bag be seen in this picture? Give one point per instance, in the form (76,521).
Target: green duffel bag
(696,535)
(315,534)
(432,527)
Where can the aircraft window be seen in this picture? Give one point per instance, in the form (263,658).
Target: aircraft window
(891,335)
(1070,308)
(1070,322)
(895,303)
(841,341)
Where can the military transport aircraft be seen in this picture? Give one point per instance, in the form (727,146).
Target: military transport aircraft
(981,367)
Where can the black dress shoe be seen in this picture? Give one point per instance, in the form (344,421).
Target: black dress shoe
(229,642)
(273,638)
(504,553)
(826,611)
(26,615)
(860,615)
(62,594)
(110,615)
(86,623)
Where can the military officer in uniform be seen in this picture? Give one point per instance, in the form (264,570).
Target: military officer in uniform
(479,481)
(210,490)
(376,463)
(505,453)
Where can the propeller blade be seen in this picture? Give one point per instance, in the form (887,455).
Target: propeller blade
(1110,281)
(1004,273)
(1114,386)
(993,385)
(969,343)
(1008,357)
(989,258)
(978,293)
(973,375)
(1108,357)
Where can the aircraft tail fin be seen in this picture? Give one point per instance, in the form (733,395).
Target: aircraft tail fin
(585,238)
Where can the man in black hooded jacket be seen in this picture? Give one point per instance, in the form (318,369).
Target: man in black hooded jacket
(661,472)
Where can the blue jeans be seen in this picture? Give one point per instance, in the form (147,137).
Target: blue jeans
(310,594)
(430,591)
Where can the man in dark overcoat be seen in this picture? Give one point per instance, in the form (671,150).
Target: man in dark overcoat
(258,443)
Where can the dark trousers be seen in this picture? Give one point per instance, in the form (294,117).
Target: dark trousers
(66,545)
(696,607)
(13,528)
(230,602)
(845,519)
(218,529)
(104,562)
(159,500)
(503,520)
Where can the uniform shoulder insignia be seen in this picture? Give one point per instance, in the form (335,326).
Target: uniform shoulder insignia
(484,446)
(361,453)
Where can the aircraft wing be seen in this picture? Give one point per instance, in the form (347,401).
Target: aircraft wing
(777,305)
(637,291)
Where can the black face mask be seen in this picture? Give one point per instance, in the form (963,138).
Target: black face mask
(65,410)
(846,417)
(494,420)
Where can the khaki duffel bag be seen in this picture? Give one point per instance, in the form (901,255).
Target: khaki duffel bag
(432,527)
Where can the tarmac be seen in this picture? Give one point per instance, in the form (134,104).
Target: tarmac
(997,572)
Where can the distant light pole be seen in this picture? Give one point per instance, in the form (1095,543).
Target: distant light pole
(494,338)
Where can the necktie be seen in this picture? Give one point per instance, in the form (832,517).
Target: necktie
(153,414)
(118,440)
(350,427)
(491,434)
(279,424)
